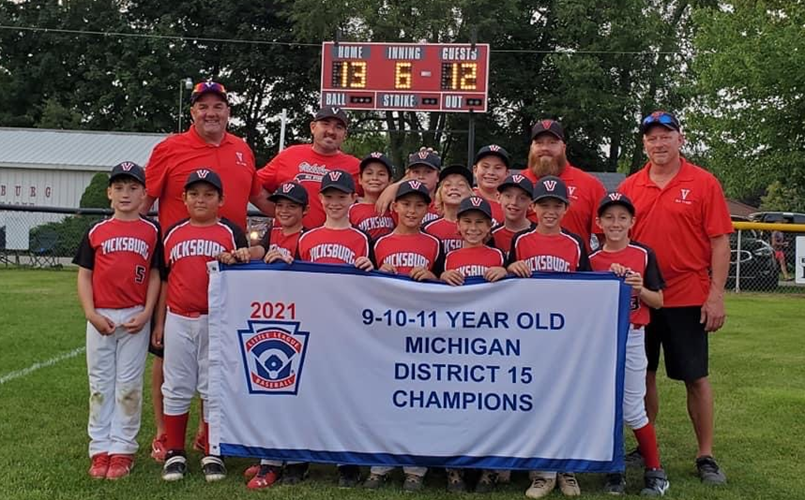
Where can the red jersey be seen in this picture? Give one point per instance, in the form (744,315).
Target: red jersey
(445,231)
(497,210)
(364,217)
(407,251)
(678,221)
(502,237)
(305,166)
(175,158)
(334,246)
(563,252)
(188,248)
(638,258)
(120,254)
(473,261)
(276,239)
(585,192)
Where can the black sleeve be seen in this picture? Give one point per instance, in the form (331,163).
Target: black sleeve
(158,259)
(265,241)
(511,257)
(85,256)
(653,279)
(584,259)
(438,264)
(237,232)
(371,245)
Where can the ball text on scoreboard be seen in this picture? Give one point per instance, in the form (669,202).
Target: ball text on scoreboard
(405,77)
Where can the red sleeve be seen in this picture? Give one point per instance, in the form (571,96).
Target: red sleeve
(598,190)
(717,221)
(256,184)
(267,176)
(156,170)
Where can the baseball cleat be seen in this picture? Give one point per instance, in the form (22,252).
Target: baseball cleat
(251,471)
(455,481)
(413,482)
(294,474)
(656,483)
(119,466)
(158,448)
(175,468)
(709,471)
(99,466)
(486,483)
(616,484)
(348,476)
(213,468)
(568,484)
(374,481)
(265,477)
(541,485)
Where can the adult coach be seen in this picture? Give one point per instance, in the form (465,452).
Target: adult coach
(547,156)
(206,144)
(682,214)
(307,164)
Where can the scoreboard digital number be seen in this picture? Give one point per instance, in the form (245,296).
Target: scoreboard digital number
(405,77)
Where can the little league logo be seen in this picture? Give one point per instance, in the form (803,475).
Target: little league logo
(273,356)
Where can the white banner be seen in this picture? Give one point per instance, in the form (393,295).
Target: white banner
(329,364)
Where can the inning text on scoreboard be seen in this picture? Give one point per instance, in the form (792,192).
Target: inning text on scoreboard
(405,77)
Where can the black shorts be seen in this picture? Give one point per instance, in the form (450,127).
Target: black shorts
(683,340)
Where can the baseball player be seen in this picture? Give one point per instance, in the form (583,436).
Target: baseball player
(638,264)
(376,174)
(118,292)
(515,194)
(490,169)
(182,314)
(423,166)
(549,248)
(455,184)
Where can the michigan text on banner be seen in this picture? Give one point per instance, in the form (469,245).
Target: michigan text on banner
(330,364)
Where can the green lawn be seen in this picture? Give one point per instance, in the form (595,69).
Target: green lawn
(757,372)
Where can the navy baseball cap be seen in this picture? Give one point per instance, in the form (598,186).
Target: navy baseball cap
(475,203)
(495,150)
(456,169)
(550,187)
(520,181)
(205,175)
(210,87)
(379,158)
(331,112)
(660,117)
(413,186)
(427,158)
(290,191)
(548,126)
(338,179)
(127,169)
(615,198)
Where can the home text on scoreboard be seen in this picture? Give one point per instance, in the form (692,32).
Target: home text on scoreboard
(405,77)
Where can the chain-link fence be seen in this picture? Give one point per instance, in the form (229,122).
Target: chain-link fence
(764,257)
(48,237)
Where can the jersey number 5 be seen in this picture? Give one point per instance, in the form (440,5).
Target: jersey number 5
(139,274)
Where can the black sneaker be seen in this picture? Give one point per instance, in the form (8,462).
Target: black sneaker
(656,483)
(213,468)
(634,459)
(348,476)
(616,484)
(455,481)
(486,483)
(175,466)
(294,474)
(709,472)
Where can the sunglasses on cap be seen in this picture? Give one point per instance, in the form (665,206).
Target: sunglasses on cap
(660,118)
(209,87)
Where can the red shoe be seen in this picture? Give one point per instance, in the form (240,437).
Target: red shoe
(159,448)
(267,476)
(100,464)
(200,443)
(119,466)
(251,471)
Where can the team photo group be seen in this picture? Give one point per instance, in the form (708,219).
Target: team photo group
(143,284)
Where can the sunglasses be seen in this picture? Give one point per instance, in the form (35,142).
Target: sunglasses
(208,87)
(661,117)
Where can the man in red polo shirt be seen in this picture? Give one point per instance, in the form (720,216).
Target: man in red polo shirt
(682,214)
(307,164)
(546,156)
(206,144)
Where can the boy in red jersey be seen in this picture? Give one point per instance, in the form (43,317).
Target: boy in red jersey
(549,248)
(475,258)
(407,250)
(515,195)
(455,184)
(376,175)
(118,292)
(182,314)
(490,169)
(337,242)
(638,264)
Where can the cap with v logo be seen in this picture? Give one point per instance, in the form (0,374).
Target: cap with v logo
(413,186)
(520,181)
(128,169)
(338,179)
(290,191)
(615,198)
(550,187)
(205,175)
(475,203)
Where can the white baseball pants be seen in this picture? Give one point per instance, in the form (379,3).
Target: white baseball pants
(634,380)
(115,366)
(186,364)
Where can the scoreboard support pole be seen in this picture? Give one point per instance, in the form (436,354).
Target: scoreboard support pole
(470,139)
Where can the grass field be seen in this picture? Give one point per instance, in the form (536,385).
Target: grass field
(756,364)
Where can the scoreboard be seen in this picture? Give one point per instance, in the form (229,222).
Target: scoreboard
(405,76)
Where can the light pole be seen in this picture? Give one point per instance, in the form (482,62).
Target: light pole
(184,83)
